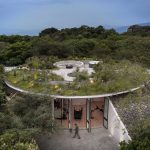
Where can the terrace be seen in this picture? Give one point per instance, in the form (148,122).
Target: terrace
(80,79)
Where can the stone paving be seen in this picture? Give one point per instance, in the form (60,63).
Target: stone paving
(98,139)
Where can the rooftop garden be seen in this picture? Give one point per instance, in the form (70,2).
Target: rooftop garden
(33,80)
(106,78)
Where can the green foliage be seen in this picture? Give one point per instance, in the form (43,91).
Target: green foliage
(134,112)
(14,38)
(49,31)
(81,76)
(24,119)
(33,80)
(5,122)
(141,137)
(34,111)
(108,77)
(83,47)
(18,140)
(118,76)
(15,53)
(41,62)
(84,41)
(2,90)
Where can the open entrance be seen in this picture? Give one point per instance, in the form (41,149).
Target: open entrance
(97,109)
(87,113)
(79,112)
(61,112)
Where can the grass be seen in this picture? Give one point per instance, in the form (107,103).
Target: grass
(107,78)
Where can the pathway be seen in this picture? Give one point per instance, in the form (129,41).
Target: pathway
(98,139)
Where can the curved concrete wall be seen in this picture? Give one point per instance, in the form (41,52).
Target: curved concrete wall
(71,97)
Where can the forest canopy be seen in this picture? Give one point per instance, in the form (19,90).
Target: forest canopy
(22,118)
(85,41)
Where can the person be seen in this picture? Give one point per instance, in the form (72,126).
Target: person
(76,131)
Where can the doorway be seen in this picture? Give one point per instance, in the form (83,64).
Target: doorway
(97,110)
(79,112)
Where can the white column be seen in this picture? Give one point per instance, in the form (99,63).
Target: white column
(62,105)
(70,114)
(90,101)
(52,103)
(87,114)
(52,111)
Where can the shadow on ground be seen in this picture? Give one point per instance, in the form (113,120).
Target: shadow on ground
(98,139)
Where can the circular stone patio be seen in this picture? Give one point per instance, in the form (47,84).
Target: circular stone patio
(64,72)
(98,139)
(73,63)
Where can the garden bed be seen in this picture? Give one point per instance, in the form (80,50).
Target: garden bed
(106,78)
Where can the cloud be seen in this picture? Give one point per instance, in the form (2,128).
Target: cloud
(27,15)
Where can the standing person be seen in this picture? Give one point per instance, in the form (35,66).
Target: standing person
(76,131)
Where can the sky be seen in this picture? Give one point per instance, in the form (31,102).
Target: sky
(32,16)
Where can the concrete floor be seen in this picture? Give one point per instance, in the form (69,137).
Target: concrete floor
(98,139)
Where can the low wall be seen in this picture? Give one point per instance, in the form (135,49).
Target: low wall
(71,97)
(116,126)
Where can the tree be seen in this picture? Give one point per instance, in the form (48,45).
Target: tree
(49,31)
(2,91)
(41,46)
(5,120)
(18,140)
(16,53)
(34,111)
(84,47)
(141,138)
(23,120)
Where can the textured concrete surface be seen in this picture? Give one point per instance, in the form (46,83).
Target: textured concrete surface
(98,139)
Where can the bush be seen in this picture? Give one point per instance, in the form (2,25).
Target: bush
(34,111)
(18,140)
(5,122)
(141,137)
(2,89)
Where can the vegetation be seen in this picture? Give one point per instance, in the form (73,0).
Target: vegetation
(108,77)
(32,111)
(141,137)
(23,120)
(139,30)
(18,140)
(80,76)
(24,117)
(134,110)
(2,89)
(11,137)
(134,107)
(33,80)
(41,62)
(84,41)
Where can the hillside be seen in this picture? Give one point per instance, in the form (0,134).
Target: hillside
(123,29)
(85,41)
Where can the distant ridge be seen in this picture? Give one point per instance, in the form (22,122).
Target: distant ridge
(125,28)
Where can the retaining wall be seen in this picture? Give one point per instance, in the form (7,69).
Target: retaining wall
(116,126)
